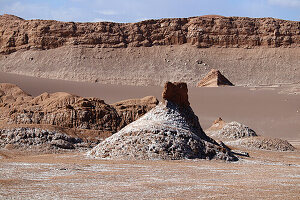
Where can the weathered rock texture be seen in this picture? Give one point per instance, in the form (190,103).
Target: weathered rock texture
(232,130)
(214,79)
(237,134)
(131,109)
(67,110)
(169,131)
(272,144)
(39,138)
(176,93)
(203,31)
(74,51)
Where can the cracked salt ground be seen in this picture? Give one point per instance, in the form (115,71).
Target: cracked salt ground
(51,177)
(260,162)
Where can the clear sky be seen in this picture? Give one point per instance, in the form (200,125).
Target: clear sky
(138,10)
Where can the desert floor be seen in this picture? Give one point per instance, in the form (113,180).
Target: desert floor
(266,175)
(272,111)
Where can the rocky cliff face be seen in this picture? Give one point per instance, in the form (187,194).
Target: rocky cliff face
(67,110)
(206,31)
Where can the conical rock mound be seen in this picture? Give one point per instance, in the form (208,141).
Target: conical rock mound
(214,79)
(230,131)
(171,130)
(240,135)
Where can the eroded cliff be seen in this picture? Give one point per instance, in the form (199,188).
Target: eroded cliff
(206,31)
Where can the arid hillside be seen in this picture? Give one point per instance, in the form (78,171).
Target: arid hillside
(247,51)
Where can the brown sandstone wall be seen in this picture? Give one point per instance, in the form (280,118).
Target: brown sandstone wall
(16,33)
(69,111)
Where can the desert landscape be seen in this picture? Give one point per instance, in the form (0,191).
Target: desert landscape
(184,108)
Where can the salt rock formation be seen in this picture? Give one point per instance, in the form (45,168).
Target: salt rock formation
(237,134)
(232,130)
(168,131)
(67,110)
(205,31)
(272,144)
(214,79)
(36,137)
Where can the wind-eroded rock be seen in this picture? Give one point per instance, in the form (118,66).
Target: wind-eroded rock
(169,131)
(205,31)
(177,93)
(67,110)
(237,134)
(36,137)
(131,109)
(214,79)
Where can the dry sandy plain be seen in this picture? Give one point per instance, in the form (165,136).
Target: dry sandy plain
(272,111)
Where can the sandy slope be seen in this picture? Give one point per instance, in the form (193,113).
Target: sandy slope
(156,65)
(270,111)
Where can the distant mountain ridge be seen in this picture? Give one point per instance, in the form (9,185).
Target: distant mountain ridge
(205,31)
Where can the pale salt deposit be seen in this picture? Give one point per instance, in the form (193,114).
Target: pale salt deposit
(165,132)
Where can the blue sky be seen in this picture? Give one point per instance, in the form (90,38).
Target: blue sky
(138,10)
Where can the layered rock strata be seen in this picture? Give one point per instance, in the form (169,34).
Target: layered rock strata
(205,31)
(67,110)
(214,79)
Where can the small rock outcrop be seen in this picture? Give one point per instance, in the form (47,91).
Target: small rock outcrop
(263,143)
(36,137)
(232,130)
(214,79)
(168,131)
(237,134)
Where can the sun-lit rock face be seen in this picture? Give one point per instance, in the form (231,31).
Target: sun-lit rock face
(214,79)
(205,31)
(67,110)
(176,92)
(168,131)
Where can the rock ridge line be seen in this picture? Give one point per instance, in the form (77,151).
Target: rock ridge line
(206,31)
